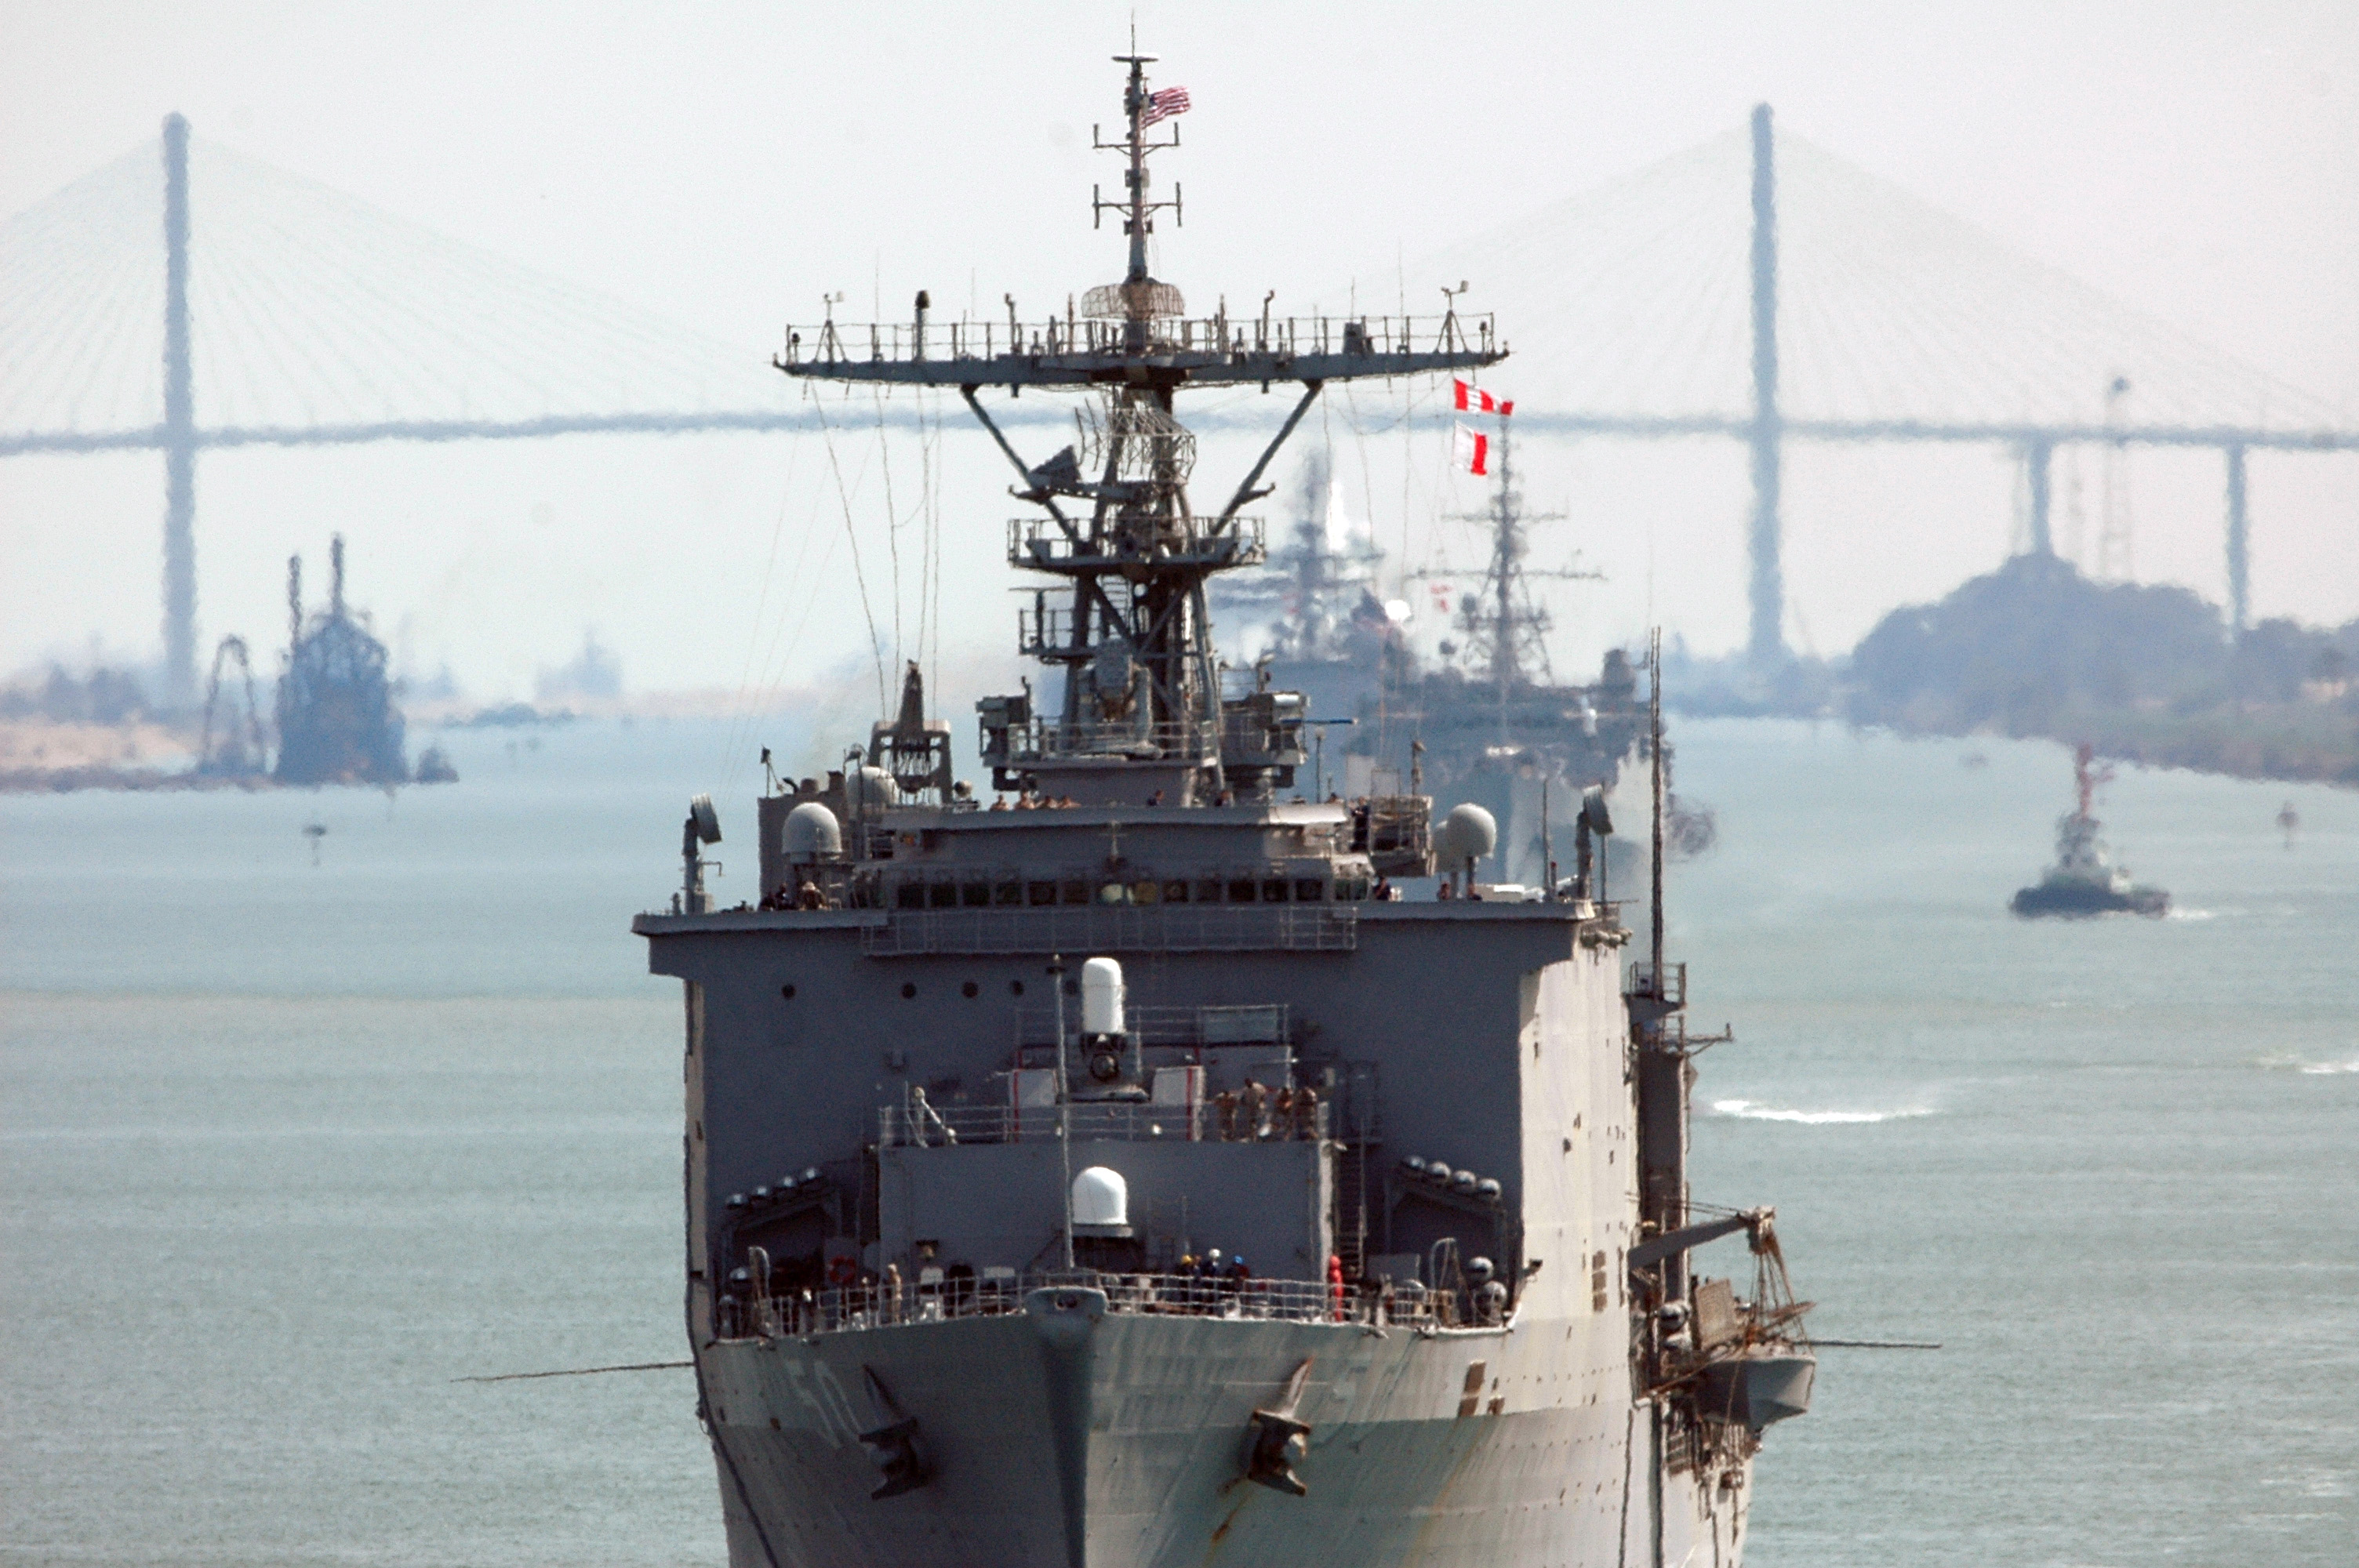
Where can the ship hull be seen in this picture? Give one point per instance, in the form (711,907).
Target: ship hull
(1093,1440)
(2074,900)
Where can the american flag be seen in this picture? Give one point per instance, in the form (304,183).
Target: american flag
(1163,105)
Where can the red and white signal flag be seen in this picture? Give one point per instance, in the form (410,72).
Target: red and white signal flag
(1475,400)
(1161,106)
(1470,450)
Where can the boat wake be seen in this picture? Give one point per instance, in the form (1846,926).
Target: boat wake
(1754,1110)
(2287,1060)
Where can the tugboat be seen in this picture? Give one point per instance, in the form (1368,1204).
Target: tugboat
(2084,881)
(989,1105)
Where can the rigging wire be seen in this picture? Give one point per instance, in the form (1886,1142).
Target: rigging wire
(892,525)
(934,506)
(859,574)
(741,718)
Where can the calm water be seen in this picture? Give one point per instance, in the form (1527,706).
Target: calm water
(285,1149)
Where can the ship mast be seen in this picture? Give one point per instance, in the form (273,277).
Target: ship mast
(1506,627)
(1116,525)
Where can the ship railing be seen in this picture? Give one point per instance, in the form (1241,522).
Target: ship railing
(1116,928)
(1043,544)
(1223,1119)
(1215,339)
(1672,989)
(1268,1023)
(1184,741)
(888,1303)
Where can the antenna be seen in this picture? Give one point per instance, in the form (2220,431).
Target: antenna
(1655,748)
(1064,1106)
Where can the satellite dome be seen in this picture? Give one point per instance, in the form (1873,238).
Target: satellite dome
(1101,1200)
(813,832)
(1468,833)
(870,789)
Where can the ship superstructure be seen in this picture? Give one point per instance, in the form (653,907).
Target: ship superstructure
(1121,1171)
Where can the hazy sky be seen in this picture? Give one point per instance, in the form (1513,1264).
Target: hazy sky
(726,165)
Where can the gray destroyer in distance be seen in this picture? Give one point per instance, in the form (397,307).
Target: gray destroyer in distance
(978,1096)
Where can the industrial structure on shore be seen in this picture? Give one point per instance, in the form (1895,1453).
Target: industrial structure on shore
(337,721)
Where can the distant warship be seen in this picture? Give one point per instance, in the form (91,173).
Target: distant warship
(1122,1173)
(1489,722)
(2084,880)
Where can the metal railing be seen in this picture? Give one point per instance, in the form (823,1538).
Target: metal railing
(1210,1120)
(882,1304)
(1043,544)
(1185,740)
(1115,928)
(1673,989)
(1190,1029)
(1215,337)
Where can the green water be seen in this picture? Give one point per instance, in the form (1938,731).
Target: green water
(285,1149)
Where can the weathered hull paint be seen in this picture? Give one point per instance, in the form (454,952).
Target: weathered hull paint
(1562,1471)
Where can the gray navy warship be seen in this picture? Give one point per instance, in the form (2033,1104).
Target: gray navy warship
(1488,719)
(1123,1172)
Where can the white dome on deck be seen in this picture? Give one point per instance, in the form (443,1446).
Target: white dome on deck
(1101,1198)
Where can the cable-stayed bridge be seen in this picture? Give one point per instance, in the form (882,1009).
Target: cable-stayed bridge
(1753,288)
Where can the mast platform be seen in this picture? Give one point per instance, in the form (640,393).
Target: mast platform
(1212,350)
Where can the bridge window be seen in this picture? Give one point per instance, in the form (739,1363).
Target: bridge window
(1241,889)
(1208,892)
(1076,892)
(1273,890)
(943,895)
(1040,893)
(1007,894)
(909,895)
(1176,891)
(1309,889)
(975,895)
(1146,892)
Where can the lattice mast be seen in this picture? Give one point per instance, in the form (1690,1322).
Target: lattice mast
(1116,522)
(1506,625)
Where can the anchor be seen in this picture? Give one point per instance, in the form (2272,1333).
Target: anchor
(1277,1439)
(894,1446)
